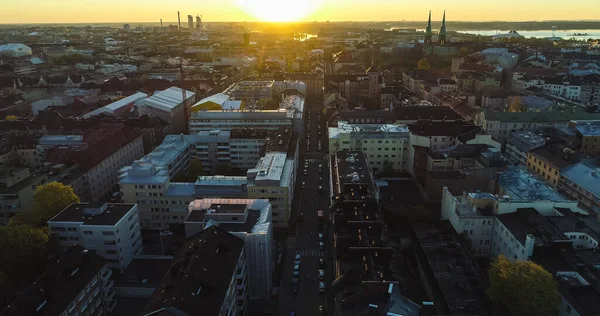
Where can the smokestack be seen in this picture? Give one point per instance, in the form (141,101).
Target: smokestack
(178,20)
(160,22)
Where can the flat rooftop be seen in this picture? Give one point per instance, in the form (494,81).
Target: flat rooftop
(522,185)
(527,221)
(353,170)
(584,175)
(228,208)
(76,213)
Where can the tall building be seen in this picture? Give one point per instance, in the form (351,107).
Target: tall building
(442,35)
(208,276)
(190,22)
(109,230)
(428,33)
(78,283)
(247,219)
(199,22)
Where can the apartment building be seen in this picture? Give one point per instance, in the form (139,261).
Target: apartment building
(109,230)
(160,202)
(581,182)
(501,124)
(221,186)
(218,284)
(273,178)
(169,106)
(385,145)
(211,148)
(249,220)
(78,283)
(104,153)
(582,136)
(520,143)
(172,155)
(548,162)
(17,185)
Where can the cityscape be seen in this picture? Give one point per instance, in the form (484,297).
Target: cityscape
(269,158)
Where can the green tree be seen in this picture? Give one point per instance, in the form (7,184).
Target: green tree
(11,118)
(24,251)
(524,287)
(48,200)
(516,105)
(463,52)
(423,64)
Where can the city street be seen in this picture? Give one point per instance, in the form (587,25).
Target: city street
(312,194)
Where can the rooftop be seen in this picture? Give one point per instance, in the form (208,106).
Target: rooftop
(435,113)
(58,286)
(527,221)
(458,278)
(142,173)
(269,168)
(366,129)
(526,140)
(589,129)
(454,129)
(171,147)
(219,180)
(352,169)
(584,175)
(199,276)
(168,99)
(572,222)
(256,211)
(89,214)
(558,157)
(542,117)
(521,185)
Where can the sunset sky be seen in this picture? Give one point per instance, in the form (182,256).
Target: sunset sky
(65,11)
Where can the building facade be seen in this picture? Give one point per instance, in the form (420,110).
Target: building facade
(112,231)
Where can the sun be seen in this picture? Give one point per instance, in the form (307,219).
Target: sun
(279,10)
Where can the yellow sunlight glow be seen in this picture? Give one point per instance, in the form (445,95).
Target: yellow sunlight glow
(279,10)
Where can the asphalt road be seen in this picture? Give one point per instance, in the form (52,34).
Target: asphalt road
(308,201)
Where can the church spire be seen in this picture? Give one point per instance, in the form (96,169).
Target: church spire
(428,34)
(442,35)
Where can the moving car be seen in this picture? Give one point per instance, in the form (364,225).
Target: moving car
(303,184)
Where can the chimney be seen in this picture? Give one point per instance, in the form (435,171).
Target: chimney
(178,20)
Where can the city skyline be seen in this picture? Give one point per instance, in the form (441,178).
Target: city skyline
(112,11)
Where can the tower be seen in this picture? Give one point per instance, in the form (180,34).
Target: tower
(178,20)
(373,74)
(190,22)
(199,22)
(428,34)
(246,39)
(442,36)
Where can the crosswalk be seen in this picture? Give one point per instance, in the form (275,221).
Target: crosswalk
(315,160)
(310,253)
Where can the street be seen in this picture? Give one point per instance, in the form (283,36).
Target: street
(312,194)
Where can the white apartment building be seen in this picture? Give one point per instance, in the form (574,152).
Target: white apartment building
(247,219)
(385,145)
(160,201)
(110,230)
(173,155)
(169,106)
(273,178)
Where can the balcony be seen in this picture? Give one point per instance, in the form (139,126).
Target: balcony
(111,305)
(108,286)
(106,276)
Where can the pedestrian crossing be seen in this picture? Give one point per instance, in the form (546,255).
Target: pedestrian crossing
(315,160)
(310,253)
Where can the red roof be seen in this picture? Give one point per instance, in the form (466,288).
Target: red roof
(99,144)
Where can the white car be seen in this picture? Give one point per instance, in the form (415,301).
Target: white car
(297,259)
(296,270)
(321,274)
(320,236)
(322,287)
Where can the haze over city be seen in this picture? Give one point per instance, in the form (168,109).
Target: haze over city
(73,11)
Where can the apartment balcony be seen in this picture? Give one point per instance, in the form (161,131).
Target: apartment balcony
(111,305)
(108,286)
(106,276)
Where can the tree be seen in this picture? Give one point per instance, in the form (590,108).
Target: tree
(516,105)
(48,200)
(524,287)
(24,250)
(11,118)
(423,64)
(463,52)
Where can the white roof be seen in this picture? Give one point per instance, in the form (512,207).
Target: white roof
(218,98)
(111,108)
(168,99)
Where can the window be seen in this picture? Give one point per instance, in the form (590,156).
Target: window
(108,233)
(88,232)
(234,218)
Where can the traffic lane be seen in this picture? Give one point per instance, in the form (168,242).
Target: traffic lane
(287,302)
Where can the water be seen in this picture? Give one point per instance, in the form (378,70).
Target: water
(566,34)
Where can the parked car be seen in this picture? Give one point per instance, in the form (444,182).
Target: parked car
(321,245)
(303,184)
(320,189)
(297,259)
(321,236)
(321,263)
(322,287)
(321,274)
(301,216)
(296,270)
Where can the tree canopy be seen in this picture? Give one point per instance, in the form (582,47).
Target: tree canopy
(24,250)
(423,64)
(48,200)
(524,287)
(516,105)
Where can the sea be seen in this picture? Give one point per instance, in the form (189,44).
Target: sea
(566,34)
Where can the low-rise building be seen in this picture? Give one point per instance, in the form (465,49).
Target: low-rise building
(17,185)
(548,162)
(581,182)
(78,283)
(209,275)
(109,230)
(249,220)
(520,143)
(169,106)
(385,145)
